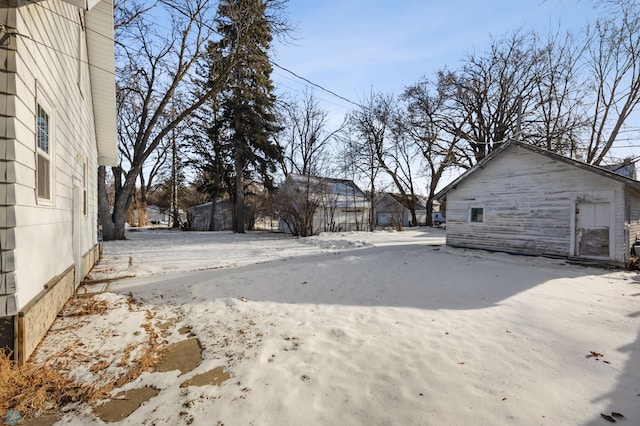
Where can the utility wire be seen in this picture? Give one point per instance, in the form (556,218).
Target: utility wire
(306,80)
(64,53)
(40,4)
(275,64)
(69,55)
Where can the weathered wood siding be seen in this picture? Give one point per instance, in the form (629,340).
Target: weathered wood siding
(529,203)
(51,65)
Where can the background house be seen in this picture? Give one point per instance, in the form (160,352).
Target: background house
(156,215)
(338,204)
(627,168)
(57,124)
(528,200)
(199,217)
(393,210)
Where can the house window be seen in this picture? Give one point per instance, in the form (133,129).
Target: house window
(477,215)
(43,165)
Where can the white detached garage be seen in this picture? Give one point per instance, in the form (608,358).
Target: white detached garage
(527,200)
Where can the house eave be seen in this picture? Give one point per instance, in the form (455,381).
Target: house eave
(100,47)
(83,4)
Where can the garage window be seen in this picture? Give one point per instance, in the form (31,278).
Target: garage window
(477,215)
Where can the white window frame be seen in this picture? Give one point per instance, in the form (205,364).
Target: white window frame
(43,103)
(477,207)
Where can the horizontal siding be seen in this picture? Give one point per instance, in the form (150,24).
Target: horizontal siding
(50,67)
(528,202)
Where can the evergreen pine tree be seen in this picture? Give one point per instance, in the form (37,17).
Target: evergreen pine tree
(247,106)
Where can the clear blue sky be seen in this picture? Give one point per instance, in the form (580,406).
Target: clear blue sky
(354,46)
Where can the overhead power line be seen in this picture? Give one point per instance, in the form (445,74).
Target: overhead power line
(39,4)
(275,64)
(306,80)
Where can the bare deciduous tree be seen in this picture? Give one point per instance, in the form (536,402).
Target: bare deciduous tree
(369,128)
(613,59)
(153,64)
(305,138)
(297,201)
(380,130)
(556,120)
(425,122)
(486,97)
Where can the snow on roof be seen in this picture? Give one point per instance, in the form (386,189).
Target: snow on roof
(341,192)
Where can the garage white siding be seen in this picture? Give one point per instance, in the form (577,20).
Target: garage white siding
(530,204)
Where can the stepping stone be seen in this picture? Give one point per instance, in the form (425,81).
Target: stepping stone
(213,377)
(184,356)
(124,403)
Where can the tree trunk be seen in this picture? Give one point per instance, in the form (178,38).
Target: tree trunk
(372,208)
(432,191)
(429,211)
(123,199)
(414,218)
(104,212)
(119,219)
(239,219)
(174,183)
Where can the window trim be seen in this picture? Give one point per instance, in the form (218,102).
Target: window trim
(43,103)
(482,212)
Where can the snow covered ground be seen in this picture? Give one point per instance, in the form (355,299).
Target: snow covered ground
(384,328)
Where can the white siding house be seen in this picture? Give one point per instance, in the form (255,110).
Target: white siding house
(57,124)
(528,200)
(341,205)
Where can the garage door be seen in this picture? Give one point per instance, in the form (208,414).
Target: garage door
(592,229)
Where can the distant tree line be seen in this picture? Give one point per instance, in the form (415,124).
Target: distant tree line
(197,109)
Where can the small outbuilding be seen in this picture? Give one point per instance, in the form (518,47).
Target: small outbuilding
(524,199)
(394,209)
(199,217)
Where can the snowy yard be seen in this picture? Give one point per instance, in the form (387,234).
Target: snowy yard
(384,328)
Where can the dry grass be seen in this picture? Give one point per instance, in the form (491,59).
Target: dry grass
(146,360)
(47,386)
(88,305)
(29,388)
